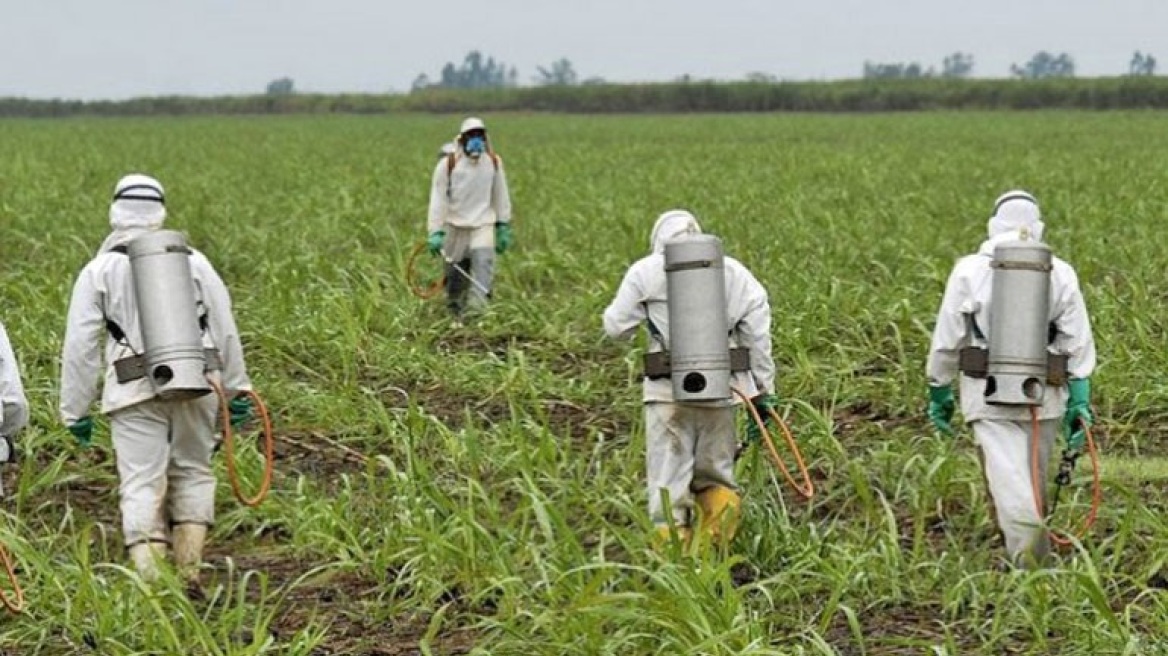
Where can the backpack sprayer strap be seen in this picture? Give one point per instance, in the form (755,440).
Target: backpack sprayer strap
(974,362)
(657,364)
(452,160)
(133,367)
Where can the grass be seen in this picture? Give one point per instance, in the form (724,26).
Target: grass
(480,491)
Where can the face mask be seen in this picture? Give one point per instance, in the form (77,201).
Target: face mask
(475,146)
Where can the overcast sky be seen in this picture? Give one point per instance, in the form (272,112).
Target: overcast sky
(123,48)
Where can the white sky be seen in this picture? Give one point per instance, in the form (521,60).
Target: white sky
(123,48)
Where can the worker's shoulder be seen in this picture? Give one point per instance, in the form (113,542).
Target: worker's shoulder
(200,261)
(1062,270)
(1059,264)
(972,262)
(103,271)
(105,261)
(734,264)
(647,267)
(736,269)
(652,261)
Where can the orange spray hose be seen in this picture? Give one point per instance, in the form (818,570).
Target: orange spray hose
(14,606)
(808,488)
(229,447)
(423,292)
(1036,482)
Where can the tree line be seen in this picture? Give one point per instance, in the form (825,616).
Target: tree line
(482,83)
(1041,65)
(483,72)
(870,95)
(479,71)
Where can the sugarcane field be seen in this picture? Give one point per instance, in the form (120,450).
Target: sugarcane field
(461,384)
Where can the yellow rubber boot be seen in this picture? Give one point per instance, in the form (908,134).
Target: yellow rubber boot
(663,537)
(720,511)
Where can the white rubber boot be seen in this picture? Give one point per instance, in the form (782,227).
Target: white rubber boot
(146,557)
(188,549)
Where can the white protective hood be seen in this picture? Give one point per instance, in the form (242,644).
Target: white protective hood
(1013,211)
(672,225)
(139,205)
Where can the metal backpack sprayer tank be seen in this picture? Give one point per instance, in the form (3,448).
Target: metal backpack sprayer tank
(174,359)
(1019,365)
(699,347)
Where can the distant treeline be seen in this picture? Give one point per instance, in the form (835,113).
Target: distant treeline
(1132,92)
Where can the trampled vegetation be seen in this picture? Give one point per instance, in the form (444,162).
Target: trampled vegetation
(479,490)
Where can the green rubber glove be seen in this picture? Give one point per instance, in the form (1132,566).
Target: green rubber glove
(763,403)
(241,411)
(941,407)
(1078,415)
(82,431)
(434,241)
(503,237)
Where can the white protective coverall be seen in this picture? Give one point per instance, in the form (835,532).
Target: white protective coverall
(690,447)
(466,202)
(1004,432)
(13,404)
(163,448)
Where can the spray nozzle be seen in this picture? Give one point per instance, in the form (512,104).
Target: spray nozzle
(1066,467)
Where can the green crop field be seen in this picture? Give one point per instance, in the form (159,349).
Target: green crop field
(480,489)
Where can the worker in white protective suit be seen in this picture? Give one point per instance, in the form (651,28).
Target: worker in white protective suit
(163,448)
(1004,432)
(470,217)
(690,448)
(13,404)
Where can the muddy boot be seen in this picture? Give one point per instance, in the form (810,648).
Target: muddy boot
(147,556)
(720,511)
(188,550)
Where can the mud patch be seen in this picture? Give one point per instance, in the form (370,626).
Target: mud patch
(555,358)
(599,361)
(497,345)
(457,410)
(344,604)
(900,630)
(1143,434)
(935,531)
(316,454)
(852,419)
(88,484)
(744,573)
(582,423)
(887,624)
